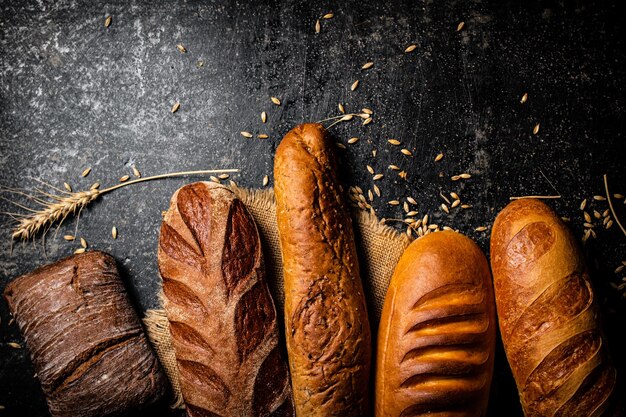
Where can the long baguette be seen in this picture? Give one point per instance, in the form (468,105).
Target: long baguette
(327,330)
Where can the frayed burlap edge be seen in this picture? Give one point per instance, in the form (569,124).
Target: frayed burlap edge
(379,246)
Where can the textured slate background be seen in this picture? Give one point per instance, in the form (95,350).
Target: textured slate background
(75,94)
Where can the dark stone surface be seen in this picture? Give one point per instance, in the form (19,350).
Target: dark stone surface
(75,94)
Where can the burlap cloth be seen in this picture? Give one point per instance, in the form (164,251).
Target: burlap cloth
(379,248)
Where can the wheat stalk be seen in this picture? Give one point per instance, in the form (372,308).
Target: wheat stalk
(56,208)
(608,198)
(345,118)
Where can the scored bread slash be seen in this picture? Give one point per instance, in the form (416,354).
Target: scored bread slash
(246,134)
(354,85)
(410,48)
(85,172)
(175,107)
(367,65)
(275,100)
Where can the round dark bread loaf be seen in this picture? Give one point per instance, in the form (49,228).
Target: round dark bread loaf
(85,339)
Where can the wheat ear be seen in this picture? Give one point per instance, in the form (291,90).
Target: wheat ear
(58,207)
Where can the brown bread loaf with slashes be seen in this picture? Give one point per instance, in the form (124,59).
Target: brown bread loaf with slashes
(548,316)
(326,324)
(222,317)
(85,339)
(436,341)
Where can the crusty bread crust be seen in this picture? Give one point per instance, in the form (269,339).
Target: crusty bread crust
(436,341)
(548,316)
(327,329)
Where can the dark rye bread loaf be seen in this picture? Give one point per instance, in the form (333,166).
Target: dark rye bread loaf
(327,329)
(84,338)
(437,335)
(548,315)
(222,317)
